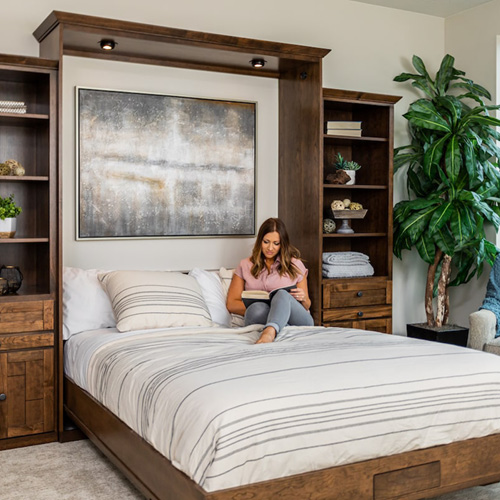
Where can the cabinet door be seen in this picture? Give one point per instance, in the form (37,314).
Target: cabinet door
(27,386)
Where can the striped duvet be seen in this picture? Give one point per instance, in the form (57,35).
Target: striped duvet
(228,412)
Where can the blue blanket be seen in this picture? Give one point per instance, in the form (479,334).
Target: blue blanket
(492,299)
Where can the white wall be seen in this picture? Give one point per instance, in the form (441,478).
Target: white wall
(472,37)
(370,45)
(173,253)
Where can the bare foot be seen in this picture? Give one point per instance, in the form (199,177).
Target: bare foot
(268,335)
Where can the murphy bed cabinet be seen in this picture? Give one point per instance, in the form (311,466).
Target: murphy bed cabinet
(364,303)
(28,344)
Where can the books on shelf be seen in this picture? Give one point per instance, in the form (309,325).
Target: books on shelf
(250,296)
(12,107)
(346,132)
(343,124)
(347,128)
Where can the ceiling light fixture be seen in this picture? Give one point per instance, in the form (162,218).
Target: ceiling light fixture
(258,63)
(107,44)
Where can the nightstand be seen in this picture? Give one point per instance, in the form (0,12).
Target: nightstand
(27,388)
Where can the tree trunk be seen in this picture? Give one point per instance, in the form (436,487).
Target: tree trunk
(429,288)
(446,306)
(444,279)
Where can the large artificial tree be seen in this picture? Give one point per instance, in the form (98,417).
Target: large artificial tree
(453,181)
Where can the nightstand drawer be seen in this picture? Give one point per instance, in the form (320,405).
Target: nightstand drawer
(356,313)
(382,325)
(26,316)
(17,341)
(357,292)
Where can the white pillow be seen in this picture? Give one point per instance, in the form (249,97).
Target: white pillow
(214,295)
(85,304)
(143,300)
(226,276)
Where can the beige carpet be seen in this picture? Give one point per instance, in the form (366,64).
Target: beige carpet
(78,471)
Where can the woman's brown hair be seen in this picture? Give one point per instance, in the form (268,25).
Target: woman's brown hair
(286,253)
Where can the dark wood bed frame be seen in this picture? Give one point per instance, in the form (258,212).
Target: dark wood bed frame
(413,475)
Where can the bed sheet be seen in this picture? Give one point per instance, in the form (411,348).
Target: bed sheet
(228,412)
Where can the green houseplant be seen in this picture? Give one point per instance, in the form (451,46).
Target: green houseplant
(350,167)
(8,213)
(453,181)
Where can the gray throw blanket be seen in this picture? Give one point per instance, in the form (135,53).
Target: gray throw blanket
(345,258)
(492,299)
(337,271)
(346,265)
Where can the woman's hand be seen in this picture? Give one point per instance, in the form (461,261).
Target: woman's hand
(298,294)
(301,293)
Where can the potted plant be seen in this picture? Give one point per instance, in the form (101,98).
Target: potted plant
(452,179)
(349,167)
(8,213)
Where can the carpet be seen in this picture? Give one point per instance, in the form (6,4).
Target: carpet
(78,471)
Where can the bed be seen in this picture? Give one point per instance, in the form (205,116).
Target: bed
(200,412)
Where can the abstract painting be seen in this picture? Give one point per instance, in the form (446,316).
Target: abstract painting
(152,165)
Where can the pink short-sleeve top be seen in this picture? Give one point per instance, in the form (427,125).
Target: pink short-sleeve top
(269,281)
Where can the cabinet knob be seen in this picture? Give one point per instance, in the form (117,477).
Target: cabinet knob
(3,397)
(360,294)
(360,313)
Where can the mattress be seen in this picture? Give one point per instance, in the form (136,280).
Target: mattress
(228,412)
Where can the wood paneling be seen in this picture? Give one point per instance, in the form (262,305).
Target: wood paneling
(356,313)
(401,482)
(26,316)
(356,292)
(299,157)
(159,45)
(28,384)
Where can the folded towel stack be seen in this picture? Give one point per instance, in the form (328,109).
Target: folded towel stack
(346,265)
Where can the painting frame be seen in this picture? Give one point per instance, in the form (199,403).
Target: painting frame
(162,166)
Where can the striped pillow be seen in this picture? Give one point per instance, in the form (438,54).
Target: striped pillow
(149,299)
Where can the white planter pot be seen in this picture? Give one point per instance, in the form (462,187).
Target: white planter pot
(352,175)
(8,227)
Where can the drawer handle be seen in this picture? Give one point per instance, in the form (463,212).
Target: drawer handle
(360,313)
(3,397)
(360,294)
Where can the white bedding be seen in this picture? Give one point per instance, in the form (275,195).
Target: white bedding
(228,412)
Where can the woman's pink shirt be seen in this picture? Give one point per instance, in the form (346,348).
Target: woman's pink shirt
(269,281)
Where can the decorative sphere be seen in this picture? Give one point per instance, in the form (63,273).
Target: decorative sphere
(15,167)
(4,169)
(356,206)
(329,226)
(17,170)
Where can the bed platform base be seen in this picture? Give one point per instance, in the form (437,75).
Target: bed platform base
(410,476)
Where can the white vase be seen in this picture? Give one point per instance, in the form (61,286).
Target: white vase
(8,227)
(352,175)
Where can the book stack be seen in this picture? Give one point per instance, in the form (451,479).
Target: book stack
(348,128)
(12,107)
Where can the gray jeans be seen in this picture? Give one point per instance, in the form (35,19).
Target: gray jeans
(284,310)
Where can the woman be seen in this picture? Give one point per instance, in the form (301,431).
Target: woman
(274,263)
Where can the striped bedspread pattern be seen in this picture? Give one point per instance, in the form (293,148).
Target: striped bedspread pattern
(228,412)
